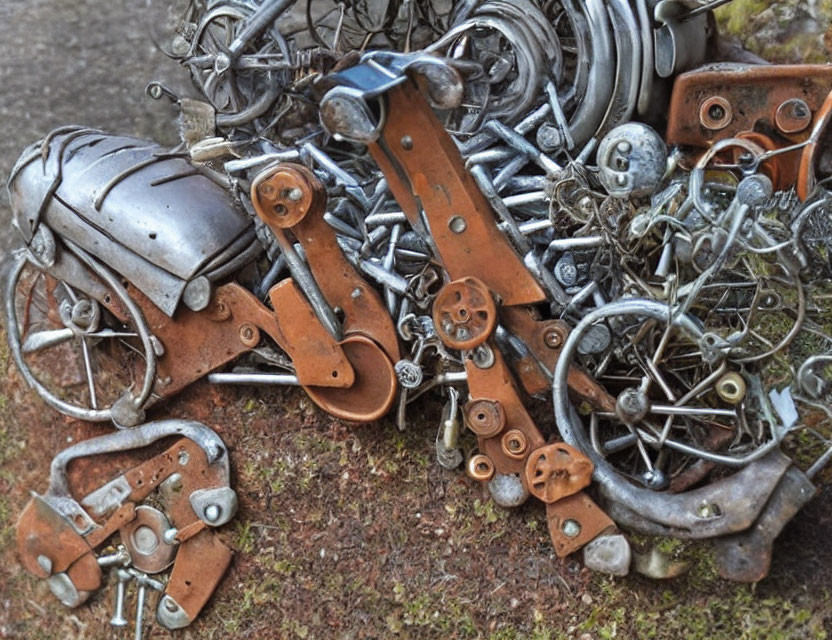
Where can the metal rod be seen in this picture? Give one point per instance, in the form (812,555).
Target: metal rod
(282,379)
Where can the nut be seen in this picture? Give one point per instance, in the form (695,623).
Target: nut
(486,418)
(515,444)
(480,468)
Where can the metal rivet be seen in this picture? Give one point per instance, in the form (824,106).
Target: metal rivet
(457,224)
(212,513)
(571,528)
(407,143)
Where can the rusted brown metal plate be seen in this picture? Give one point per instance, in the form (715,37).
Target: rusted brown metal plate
(200,564)
(375,385)
(583,510)
(754,95)
(43,531)
(299,202)
(425,171)
(197,343)
(544,338)
(496,383)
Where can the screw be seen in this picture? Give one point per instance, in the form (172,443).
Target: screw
(144,582)
(571,528)
(407,143)
(553,338)
(294,194)
(457,224)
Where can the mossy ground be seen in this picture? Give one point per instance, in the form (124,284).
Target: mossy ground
(351,532)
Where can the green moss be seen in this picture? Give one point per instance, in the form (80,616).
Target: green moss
(733,17)
(245,536)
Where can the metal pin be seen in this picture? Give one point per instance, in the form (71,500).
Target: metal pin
(118,619)
(140,610)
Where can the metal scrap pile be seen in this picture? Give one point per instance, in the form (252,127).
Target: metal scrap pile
(504,202)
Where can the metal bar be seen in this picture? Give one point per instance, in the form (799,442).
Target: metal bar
(283,379)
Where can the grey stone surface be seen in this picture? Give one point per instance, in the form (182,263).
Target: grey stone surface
(609,554)
(79,62)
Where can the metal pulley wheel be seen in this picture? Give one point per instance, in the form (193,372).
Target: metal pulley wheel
(464,314)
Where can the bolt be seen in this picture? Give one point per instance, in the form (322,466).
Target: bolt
(571,528)
(120,557)
(294,194)
(407,143)
(553,338)
(266,190)
(212,512)
(118,619)
(140,610)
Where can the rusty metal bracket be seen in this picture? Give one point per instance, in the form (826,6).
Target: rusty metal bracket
(427,176)
(57,533)
(289,196)
(496,384)
(574,521)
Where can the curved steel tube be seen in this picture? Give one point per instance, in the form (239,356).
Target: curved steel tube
(91,415)
(587,117)
(628,67)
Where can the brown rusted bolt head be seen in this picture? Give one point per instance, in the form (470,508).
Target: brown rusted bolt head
(480,468)
(553,338)
(267,191)
(249,335)
(515,444)
(716,113)
(793,116)
(486,418)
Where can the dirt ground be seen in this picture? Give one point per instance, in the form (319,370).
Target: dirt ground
(343,532)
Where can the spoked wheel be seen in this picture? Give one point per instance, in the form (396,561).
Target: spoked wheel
(232,87)
(683,415)
(74,351)
(515,47)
